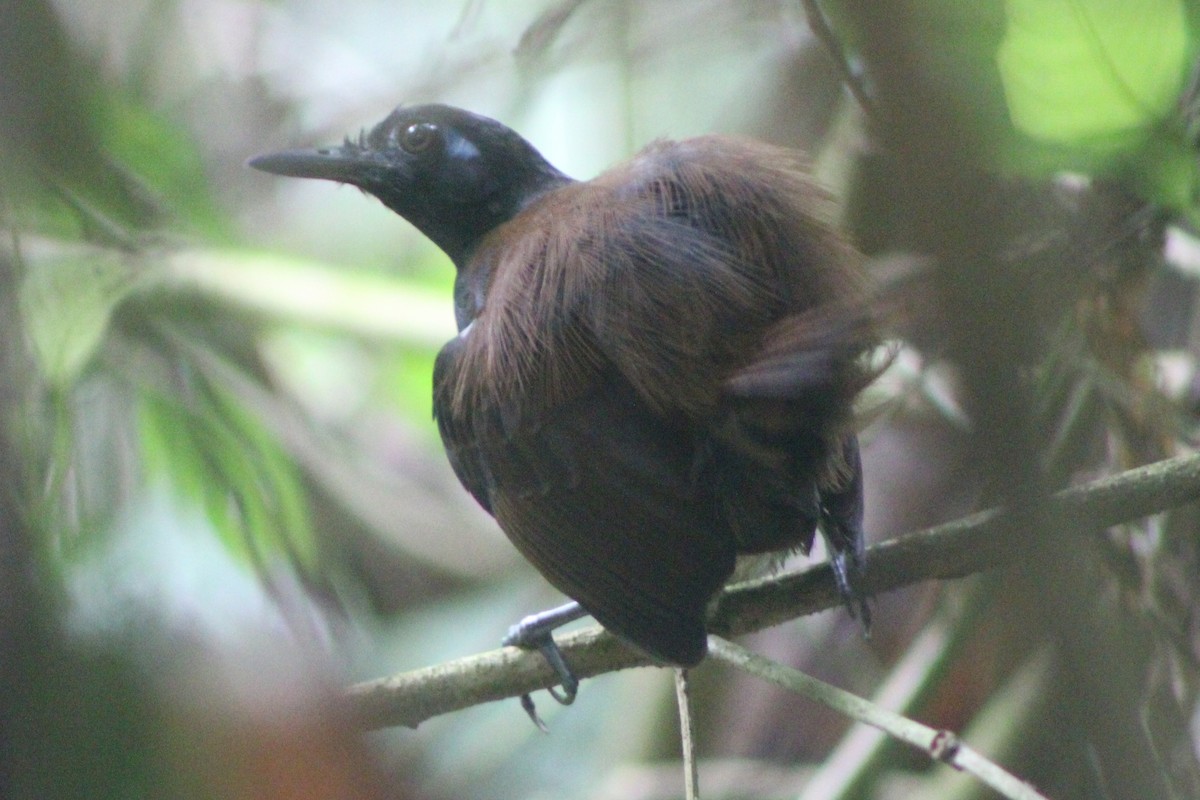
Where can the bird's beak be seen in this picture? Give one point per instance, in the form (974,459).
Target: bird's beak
(350,163)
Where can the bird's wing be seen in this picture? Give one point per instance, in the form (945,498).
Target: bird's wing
(600,495)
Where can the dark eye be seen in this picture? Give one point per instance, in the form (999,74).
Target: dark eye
(418,137)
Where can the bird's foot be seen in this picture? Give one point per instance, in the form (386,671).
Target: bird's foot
(848,575)
(536,632)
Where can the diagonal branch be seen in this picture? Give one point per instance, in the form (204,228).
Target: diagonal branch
(955,549)
(819,25)
(940,745)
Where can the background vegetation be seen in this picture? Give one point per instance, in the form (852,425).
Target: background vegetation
(224,500)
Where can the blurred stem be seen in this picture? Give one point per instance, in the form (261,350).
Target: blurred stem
(58,503)
(317,294)
(624,24)
(940,745)
(818,23)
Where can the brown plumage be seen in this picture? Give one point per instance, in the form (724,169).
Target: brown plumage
(655,369)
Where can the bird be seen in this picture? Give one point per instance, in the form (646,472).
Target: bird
(655,370)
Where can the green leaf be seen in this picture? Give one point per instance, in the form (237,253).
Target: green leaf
(66,304)
(164,157)
(1076,70)
(212,451)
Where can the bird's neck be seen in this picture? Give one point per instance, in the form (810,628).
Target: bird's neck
(474,273)
(474,223)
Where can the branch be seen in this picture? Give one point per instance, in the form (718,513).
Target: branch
(940,745)
(819,25)
(952,550)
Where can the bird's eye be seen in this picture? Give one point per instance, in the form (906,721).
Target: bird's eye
(418,137)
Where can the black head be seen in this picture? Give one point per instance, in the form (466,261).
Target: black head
(453,174)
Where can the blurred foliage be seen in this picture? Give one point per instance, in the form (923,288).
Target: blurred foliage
(195,352)
(166,161)
(1072,72)
(1092,86)
(67,303)
(217,455)
(1100,87)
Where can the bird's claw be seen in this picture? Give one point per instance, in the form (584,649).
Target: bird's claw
(566,679)
(536,632)
(569,684)
(848,575)
(531,710)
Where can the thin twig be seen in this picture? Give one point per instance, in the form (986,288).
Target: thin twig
(940,745)
(1002,725)
(819,25)
(909,682)
(687,736)
(951,550)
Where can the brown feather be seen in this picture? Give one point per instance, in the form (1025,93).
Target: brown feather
(579,272)
(661,375)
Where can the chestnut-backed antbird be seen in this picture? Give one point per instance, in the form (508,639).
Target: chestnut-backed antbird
(655,369)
